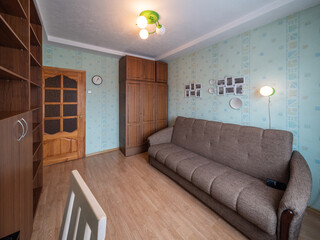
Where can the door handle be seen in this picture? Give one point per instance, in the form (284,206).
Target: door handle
(27,128)
(22,130)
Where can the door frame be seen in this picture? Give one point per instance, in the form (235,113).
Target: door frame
(83,81)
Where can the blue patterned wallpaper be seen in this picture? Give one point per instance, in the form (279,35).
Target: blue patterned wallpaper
(102,105)
(284,54)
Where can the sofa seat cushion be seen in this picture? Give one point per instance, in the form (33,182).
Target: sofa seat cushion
(186,167)
(227,187)
(174,159)
(204,175)
(259,205)
(246,195)
(179,160)
(161,151)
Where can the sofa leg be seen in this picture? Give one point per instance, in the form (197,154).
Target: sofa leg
(286,218)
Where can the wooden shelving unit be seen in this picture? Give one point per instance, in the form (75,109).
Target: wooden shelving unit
(10,37)
(14,7)
(21,77)
(36,147)
(34,40)
(10,75)
(36,75)
(36,98)
(35,126)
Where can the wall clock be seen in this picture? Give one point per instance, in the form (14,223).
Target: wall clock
(97,80)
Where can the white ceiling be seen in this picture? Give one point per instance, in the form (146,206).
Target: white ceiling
(110,25)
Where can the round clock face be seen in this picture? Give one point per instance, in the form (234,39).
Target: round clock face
(97,80)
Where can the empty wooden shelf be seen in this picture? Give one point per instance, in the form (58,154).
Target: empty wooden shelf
(20,116)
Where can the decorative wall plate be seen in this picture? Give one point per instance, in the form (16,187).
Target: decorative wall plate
(211,90)
(235,103)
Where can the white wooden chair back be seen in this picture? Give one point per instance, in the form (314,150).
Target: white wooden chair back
(83,217)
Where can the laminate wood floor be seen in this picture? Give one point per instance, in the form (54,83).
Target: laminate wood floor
(139,201)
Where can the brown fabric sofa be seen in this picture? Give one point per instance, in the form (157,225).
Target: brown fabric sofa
(226,167)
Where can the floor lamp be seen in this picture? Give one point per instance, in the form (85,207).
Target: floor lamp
(267,91)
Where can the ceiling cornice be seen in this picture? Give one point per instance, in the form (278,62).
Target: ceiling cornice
(92,47)
(236,23)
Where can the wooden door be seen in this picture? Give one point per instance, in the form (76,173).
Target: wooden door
(161,72)
(26,178)
(148,71)
(63,115)
(133,115)
(135,68)
(148,94)
(10,132)
(162,106)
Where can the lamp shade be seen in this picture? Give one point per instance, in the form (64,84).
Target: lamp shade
(142,21)
(144,34)
(160,29)
(267,91)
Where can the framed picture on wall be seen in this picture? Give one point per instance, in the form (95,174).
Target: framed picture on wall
(186,93)
(238,89)
(193,93)
(221,90)
(230,90)
(229,81)
(198,93)
(192,86)
(221,82)
(187,87)
(198,85)
(239,80)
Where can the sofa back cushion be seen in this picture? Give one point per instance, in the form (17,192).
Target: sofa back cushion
(260,153)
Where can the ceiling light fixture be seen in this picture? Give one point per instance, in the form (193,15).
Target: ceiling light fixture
(149,17)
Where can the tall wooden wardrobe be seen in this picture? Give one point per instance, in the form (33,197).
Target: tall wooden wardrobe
(143,103)
(20,116)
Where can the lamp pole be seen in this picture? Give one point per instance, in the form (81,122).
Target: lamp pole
(269,101)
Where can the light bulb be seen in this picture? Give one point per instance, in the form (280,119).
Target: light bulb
(160,29)
(267,91)
(144,33)
(142,22)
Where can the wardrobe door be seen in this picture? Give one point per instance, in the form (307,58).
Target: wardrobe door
(148,93)
(149,70)
(133,115)
(162,106)
(26,178)
(161,72)
(10,131)
(135,68)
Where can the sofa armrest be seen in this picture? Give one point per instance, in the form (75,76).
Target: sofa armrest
(163,136)
(295,199)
